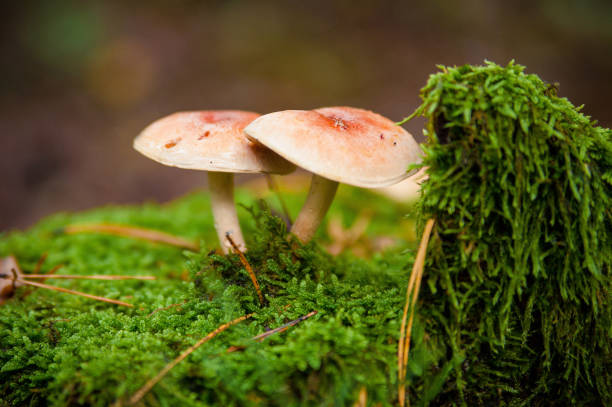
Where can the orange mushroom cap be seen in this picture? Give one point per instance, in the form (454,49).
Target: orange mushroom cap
(208,140)
(344,144)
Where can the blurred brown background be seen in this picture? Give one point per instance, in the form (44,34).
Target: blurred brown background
(80,79)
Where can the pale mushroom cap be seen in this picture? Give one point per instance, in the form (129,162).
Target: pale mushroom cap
(208,140)
(344,144)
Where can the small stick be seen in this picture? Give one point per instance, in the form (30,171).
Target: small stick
(95,277)
(167,307)
(247,266)
(412,293)
(65,290)
(40,263)
(149,385)
(274,187)
(234,348)
(281,328)
(135,232)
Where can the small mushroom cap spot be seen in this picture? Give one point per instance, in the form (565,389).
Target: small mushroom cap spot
(344,144)
(172,143)
(210,140)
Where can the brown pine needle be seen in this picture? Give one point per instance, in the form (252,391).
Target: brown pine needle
(65,290)
(40,263)
(95,277)
(412,293)
(52,271)
(234,349)
(178,304)
(281,328)
(247,266)
(149,385)
(134,232)
(42,280)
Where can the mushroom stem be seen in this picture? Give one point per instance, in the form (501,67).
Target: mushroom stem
(221,186)
(320,196)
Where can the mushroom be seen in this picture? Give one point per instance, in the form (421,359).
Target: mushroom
(336,144)
(212,141)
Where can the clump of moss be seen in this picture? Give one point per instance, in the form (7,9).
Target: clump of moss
(519,269)
(350,344)
(58,350)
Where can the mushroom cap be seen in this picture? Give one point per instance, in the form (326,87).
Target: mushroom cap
(344,144)
(210,140)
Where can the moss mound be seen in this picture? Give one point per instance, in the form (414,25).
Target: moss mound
(350,344)
(519,271)
(58,349)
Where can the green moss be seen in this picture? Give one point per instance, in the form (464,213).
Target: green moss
(350,343)
(519,271)
(58,349)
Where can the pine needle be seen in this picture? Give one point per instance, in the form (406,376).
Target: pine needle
(412,293)
(149,385)
(93,277)
(178,304)
(362,400)
(282,328)
(134,232)
(67,291)
(247,266)
(40,262)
